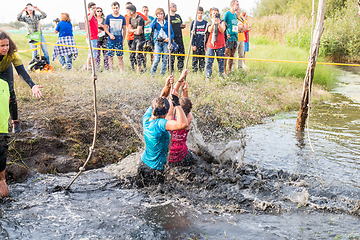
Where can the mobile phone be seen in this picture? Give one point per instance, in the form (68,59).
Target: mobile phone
(30,8)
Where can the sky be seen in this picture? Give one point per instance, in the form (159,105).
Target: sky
(53,8)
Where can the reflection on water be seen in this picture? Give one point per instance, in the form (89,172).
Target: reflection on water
(98,207)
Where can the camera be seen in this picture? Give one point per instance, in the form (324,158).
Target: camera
(217,15)
(56,20)
(160,39)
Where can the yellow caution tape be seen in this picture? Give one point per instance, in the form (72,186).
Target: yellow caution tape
(184,55)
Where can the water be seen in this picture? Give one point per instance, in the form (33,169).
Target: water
(281,190)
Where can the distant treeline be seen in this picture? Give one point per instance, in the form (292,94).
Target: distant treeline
(289,22)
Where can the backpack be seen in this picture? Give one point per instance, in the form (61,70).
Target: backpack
(37,63)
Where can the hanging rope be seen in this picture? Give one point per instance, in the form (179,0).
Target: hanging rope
(309,83)
(92,148)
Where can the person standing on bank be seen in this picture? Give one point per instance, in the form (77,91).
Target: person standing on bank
(242,28)
(198,44)
(230,19)
(102,39)
(161,40)
(8,57)
(136,26)
(147,30)
(93,35)
(115,27)
(64,28)
(33,25)
(215,43)
(156,124)
(177,26)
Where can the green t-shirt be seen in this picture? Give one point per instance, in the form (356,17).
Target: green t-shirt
(4,106)
(232,28)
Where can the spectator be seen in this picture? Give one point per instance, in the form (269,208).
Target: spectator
(230,19)
(147,30)
(243,26)
(33,25)
(64,28)
(177,26)
(246,42)
(156,124)
(9,57)
(102,38)
(198,45)
(130,36)
(136,26)
(215,43)
(115,27)
(161,40)
(93,25)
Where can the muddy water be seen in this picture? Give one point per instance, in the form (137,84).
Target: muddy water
(275,188)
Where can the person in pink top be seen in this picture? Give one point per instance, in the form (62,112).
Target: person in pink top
(180,155)
(93,24)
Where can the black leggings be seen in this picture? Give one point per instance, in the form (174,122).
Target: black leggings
(3,152)
(8,76)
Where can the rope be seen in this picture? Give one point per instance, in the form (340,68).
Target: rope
(92,148)
(203,56)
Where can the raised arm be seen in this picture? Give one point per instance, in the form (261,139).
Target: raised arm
(166,90)
(43,15)
(20,16)
(181,121)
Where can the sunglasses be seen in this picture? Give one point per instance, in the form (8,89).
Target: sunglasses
(174,6)
(98,11)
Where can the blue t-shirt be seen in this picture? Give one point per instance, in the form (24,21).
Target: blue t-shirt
(147,29)
(156,141)
(64,29)
(199,36)
(116,25)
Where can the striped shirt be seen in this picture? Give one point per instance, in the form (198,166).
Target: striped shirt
(32,24)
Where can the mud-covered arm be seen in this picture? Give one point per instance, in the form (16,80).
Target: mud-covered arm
(166,90)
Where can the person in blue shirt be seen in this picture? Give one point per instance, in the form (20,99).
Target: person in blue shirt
(64,28)
(157,122)
(198,42)
(115,27)
(161,40)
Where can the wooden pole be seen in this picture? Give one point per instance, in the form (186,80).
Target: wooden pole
(314,52)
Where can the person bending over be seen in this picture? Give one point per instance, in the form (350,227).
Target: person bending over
(156,124)
(8,55)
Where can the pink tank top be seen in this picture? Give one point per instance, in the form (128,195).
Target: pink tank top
(178,150)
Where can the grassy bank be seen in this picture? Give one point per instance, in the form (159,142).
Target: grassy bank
(221,105)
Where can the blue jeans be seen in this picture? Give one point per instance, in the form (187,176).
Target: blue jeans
(68,61)
(220,52)
(93,45)
(160,47)
(43,49)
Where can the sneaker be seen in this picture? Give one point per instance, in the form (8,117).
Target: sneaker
(16,127)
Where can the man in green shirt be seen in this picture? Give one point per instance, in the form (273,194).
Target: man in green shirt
(4,117)
(230,19)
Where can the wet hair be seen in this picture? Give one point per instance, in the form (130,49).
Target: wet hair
(233,2)
(159,10)
(160,106)
(90,4)
(65,17)
(12,45)
(115,4)
(201,9)
(102,12)
(186,105)
(132,8)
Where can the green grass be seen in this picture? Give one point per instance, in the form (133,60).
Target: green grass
(238,100)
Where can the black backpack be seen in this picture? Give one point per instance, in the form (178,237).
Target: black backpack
(37,63)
